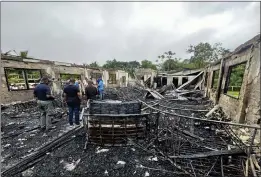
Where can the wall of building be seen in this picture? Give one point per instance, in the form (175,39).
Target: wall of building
(51,69)
(180,75)
(146,73)
(246,108)
(121,75)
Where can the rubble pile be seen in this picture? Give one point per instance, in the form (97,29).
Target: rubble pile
(131,93)
(110,94)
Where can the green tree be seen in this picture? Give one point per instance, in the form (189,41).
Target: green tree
(204,53)
(94,65)
(126,66)
(166,56)
(171,64)
(237,74)
(148,64)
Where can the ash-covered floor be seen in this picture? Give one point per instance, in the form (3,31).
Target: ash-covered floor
(21,137)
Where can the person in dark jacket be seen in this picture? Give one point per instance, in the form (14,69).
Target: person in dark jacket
(42,93)
(90,91)
(73,99)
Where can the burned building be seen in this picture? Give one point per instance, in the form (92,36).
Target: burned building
(171,135)
(20,75)
(178,78)
(146,76)
(234,82)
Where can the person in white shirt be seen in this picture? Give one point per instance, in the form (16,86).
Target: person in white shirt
(85,82)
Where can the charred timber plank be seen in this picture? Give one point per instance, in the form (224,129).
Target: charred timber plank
(199,84)
(212,111)
(26,163)
(209,154)
(109,122)
(143,109)
(193,110)
(116,135)
(116,132)
(189,82)
(114,140)
(105,129)
(200,119)
(116,119)
(117,115)
(154,93)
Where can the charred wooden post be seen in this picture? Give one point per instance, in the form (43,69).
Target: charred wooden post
(157,126)
(192,124)
(221,71)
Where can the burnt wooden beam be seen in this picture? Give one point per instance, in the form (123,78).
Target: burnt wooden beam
(212,111)
(189,82)
(200,119)
(117,115)
(210,154)
(193,110)
(189,133)
(143,109)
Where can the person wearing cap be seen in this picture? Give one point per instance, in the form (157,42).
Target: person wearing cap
(44,101)
(72,96)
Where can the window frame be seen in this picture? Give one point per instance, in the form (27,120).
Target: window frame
(206,79)
(96,75)
(213,78)
(24,71)
(123,79)
(226,87)
(69,75)
(111,79)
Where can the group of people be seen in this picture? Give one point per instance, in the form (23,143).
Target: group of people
(72,96)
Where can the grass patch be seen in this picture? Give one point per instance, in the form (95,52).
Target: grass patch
(233,93)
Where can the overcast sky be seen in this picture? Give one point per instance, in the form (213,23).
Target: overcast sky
(98,31)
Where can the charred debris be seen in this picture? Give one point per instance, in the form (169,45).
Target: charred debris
(135,131)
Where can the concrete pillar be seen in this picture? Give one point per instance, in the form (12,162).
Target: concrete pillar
(152,78)
(105,77)
(180,80)
(169,80)
(145,77)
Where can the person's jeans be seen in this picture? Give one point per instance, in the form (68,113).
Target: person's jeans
(101,94)
(74,110)
(44,107)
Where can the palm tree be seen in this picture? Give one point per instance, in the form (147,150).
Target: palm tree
(170,55)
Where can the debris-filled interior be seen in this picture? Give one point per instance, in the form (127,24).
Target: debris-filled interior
(134,131)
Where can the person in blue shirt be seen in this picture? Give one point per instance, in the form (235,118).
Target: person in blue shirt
(42,93)
(100,88)
(77,83)
(72,96)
